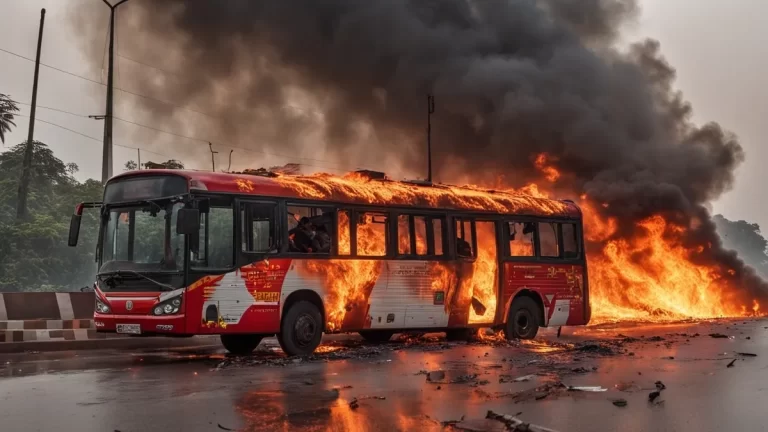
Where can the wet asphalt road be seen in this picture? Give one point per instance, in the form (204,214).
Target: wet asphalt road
(202,390)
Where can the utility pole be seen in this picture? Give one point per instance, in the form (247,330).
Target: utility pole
(138,150)
(430,110)
(213,160)
(106,167)
(229,167)
(21,205)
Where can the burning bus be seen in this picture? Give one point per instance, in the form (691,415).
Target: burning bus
(252,255)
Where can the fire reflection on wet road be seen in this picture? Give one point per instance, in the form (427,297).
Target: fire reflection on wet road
(351,386)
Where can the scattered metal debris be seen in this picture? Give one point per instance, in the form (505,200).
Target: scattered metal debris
(515,424)
(587,388)
(224,428)
(619,402)
(524,378)
(746,354)
(718,336)
(653,395)
(659,385)
(731,363)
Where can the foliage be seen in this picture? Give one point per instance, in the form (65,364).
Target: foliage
(34,255)
(8,108)
(746,239)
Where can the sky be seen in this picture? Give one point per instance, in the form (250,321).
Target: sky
(717,48)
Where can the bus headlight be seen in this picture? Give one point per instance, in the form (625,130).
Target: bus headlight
(101,307)
(168,307)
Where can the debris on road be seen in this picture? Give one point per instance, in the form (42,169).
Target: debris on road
(731,363)
(515,424)
(653,395)
(524,378)
(224,428)
(355,402)
(461,379)
(309,382)
(746,354)
(435,376)
(619,402)
(587,388)
(659,385)
(718,336)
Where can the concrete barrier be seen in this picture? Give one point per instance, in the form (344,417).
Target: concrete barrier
(64,321)
(48,317)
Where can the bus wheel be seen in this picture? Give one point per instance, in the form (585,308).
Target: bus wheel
(457,335)
(301,329)
(377,336)
(240,344)
(523,319)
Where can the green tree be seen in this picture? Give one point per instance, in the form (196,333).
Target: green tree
(8,108)
(33,253)
(746,239)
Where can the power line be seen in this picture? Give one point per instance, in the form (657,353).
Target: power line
(99,140)
(305,110)
(55,109)
(63,127)
(116,88)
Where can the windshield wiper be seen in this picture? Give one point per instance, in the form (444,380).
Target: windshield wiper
(120,273)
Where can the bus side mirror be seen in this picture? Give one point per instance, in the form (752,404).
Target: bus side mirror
(188,221)
(74,229)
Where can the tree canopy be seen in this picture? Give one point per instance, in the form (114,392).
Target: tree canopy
(34,255)
(746,239)
(8,108)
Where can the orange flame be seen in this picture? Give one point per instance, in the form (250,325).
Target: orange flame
(649,277)
(542,164)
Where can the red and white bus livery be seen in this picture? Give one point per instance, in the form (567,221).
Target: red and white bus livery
(247,256)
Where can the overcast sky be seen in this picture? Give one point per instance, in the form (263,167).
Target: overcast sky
(717,47)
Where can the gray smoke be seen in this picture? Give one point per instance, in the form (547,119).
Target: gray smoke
(511,78)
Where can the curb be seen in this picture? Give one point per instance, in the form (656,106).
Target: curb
(126,342)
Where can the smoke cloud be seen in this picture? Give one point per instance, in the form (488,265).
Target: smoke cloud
(346,81)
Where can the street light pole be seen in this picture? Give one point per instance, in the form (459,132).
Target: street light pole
(106,167)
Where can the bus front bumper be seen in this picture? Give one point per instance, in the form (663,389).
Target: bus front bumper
(138,325)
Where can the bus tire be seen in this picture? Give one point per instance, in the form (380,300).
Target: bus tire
(377,336)
(458,335)
(240,344)
(301,329)
(523,319)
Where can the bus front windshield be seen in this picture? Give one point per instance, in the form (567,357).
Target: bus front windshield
(142,237)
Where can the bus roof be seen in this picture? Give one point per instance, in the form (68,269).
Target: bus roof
(357,188)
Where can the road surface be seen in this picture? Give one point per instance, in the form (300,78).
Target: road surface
(201,389)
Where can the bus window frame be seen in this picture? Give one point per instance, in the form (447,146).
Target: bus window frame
(429,216)
(577,222)
(235,240)
(472,219)
(244,257)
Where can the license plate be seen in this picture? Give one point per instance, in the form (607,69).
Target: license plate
(129,328)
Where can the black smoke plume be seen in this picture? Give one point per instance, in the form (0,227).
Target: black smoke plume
(346,81)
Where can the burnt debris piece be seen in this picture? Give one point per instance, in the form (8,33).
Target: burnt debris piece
(478,306)
(515,424)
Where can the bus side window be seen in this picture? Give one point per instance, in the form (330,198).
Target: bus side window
(310,229)
(420,235)
(258,227)
(464,240)
(371,232)
(570,241)
(548,242)
(521,239)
